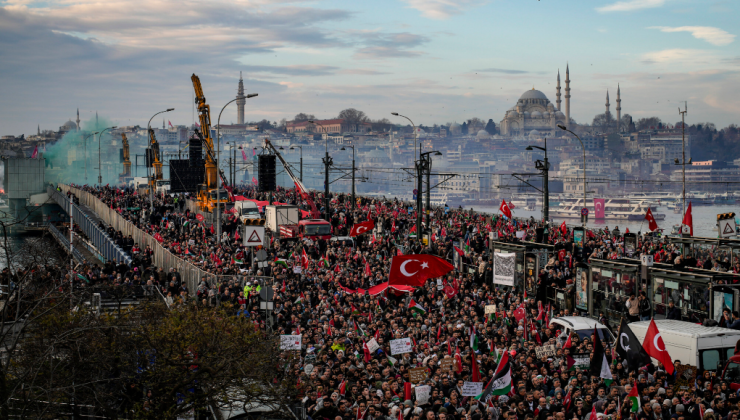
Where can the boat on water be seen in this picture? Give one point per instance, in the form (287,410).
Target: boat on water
(619,209)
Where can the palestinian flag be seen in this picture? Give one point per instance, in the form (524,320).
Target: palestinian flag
(634,397)
(281,261)
(354,310)
(236,261)
(300,299)
(500,384)
(599,364)
(323,262)
(343,388)
(187,222)
(415,307)
(83,278)
(473,340)
(467,244)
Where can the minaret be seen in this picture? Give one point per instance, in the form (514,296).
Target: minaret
(619,110)
(96,119)
(240,101)
(557,90)
(567,94)
(607,101)
(38,130)
(78,119)
(163,124)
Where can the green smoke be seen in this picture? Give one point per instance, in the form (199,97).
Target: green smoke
(76,154)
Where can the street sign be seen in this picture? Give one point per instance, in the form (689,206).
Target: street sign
(266,293)
(584,211)
(253,235)
(686,229)
(416,191)
(726,228)
(261,255)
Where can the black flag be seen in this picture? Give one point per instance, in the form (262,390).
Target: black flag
(629,348)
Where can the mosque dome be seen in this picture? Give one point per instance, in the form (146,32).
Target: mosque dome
(533,94)
(513,113)
(545,114)
(536,114)
(482,134)
(69,125)
(526,114)
(559,114)
(534,134)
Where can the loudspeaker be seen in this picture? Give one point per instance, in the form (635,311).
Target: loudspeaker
(266,171)
(149,157)
(539,235)
(195,151)
(185,178)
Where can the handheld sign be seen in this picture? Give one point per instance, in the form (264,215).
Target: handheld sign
(400,346)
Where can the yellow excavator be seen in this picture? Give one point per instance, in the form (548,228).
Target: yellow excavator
(208,193)
(126,160)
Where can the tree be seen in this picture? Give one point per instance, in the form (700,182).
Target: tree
(303,117)
(604,122)
(464,128)
(491,127)
(264,125)
(352,116)
(647,123)
(283,125)
(382,124)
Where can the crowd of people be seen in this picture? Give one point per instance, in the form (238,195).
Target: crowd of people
(345,368)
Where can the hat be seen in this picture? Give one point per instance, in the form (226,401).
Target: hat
(407,403)
(442,410)
(708,410)
(668,403)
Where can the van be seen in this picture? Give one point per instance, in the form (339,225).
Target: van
(582,326)
(247,210)
(707,348)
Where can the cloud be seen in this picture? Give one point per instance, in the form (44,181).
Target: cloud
(296,70)
(504,71)
(442,9)
(377,45)
(362,72)
(714,36)
(675,55)
(630,5)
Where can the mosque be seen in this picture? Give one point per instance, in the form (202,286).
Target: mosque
(535,114)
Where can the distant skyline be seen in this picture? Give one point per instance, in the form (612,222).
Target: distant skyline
(436,61)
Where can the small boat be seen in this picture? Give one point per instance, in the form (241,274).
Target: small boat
(529,207)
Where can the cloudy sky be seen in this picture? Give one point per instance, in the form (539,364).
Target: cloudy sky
(434,60)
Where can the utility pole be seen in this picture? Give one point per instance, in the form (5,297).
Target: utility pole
(419,173)
(353,175)
(428,169)
(328,161)
(683,153)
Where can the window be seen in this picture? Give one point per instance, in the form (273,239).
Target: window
(710,359)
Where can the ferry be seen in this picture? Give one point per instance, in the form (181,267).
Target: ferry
(618,209)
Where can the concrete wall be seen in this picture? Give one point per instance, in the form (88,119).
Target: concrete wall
(23,177)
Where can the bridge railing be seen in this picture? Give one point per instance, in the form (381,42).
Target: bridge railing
(64,242)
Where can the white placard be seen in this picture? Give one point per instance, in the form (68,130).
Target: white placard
(400,346)
(423,392)
(647,260)
(504,264)
(297,269)
(440,286)
(372,345)
(290,342)
(490,309)
(520,234)
(472,389)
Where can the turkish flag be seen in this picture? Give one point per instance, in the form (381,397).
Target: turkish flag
(459,251)
(474,367)
(360,228)
(563,228)
(655,347)
(688,220)
(504,208)
(304,259)
(416,269)
(519,313)
(652,224)
(561,255)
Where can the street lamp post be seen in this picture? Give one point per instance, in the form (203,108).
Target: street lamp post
(148,172)
(100,171)
(218,167)
(353,173)
(583,218)
(300,147)
(327,163)
(417,166)
(683,155)
(545,182)
(85,146)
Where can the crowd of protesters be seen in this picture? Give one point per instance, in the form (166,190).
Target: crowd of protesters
(338,376)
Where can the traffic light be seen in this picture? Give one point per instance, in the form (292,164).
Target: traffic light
(725,216)
(254,222)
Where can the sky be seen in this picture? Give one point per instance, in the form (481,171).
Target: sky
(435,61)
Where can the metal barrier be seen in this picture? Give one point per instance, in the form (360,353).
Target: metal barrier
(162,257)
(105,245)
(64,242)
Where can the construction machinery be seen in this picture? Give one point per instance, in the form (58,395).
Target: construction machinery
(156,161)
(313,228)
(126,160)
(208,193)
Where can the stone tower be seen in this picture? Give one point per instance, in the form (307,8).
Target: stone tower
(557,94)
(619,110)
(240,101)
(567,94)
(78,119)
(607,101)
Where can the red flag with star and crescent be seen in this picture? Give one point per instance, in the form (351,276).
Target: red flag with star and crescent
(360,228)
(504,208)
(416,269)
(655,347)
(652,224)
(304,259)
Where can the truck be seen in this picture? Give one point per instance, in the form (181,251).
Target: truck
(707,348)
(247,211)
(313,228)
(276,216)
